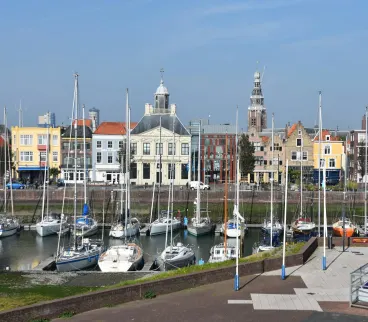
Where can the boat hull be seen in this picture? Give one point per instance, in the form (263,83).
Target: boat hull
(171,264)
(8,232)
(87,232)
(199,230)
(339,232)
(82,263)
(132,231)
(121,266)
(159,229)
(48,229)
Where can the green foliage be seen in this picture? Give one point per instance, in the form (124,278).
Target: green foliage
(361,158)
(294,176)
(67,314)
(352,186)
(54,172)
(246,155)
(149,295)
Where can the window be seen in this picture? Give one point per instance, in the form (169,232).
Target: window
(264,162)
(184,170)
(331,163)
(305,155)
(133,170)
(171,149)
(109,157)
(109,144)
(146,149)
(299,132)
(293,155)
(42,139)
(55,140)
(280,162)
(171,171)
(146,170)
(299,142)
(133,148)
(185,148)
(98,144)
(99,157)
(327,149)
(159,148)
(327,138)
(321,163)
(26,139)
(43,156)
(120,145)
(55,156)
(26,156)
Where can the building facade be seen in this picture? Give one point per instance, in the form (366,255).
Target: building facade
(108,143)
(47,119)
(30,157)
(70,147)
(160,138)
(331,152)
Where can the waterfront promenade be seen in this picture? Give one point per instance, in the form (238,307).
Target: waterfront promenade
(308,294)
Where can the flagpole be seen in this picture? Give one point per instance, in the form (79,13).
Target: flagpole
(283,275)
(324,217)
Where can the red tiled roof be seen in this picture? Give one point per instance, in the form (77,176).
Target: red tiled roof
(87,122)
(265,139)
(324,134)
(113,128)
(292,129)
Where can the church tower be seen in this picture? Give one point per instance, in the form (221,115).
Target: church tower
(257,115)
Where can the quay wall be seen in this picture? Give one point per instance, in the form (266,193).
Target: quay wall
(99,299)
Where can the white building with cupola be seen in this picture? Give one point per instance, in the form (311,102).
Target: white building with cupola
(160,138)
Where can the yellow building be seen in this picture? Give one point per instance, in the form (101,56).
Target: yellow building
(331,152)
(29,146)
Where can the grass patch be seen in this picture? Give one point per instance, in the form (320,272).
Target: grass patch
(67,314)
(149,295)
(16,290)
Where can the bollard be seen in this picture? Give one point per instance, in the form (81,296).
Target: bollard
(329,241)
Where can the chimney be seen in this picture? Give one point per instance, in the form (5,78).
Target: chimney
(363,122)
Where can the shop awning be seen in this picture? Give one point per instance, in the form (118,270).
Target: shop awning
(32,168)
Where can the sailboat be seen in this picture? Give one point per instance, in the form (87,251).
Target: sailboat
(179,255)
(128,256)
(199,225)
(84,253)
(158,227)
(226,250)
(121,228)
(9,225)
(50,224)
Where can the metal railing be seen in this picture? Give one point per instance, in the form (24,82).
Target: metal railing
(359,295)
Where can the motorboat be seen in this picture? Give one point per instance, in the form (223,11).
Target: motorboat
(50,224)
(174,257)
(338,228)
(303,225)
(79,257)
(132,229)
(121,258)
(222,252)
(8,226)
(200,227)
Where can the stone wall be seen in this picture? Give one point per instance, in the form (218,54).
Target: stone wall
(99,299)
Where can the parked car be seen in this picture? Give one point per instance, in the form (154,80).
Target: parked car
(202,186)
(60,183)
(16,185)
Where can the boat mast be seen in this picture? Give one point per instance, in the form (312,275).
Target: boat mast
(198,208)
(129,159)
(301,178)
(126,162)
(172,182)
(159,174)
(237,212)
(75,155)
(272,177)
(84,159)
(45,175)
(5,160)
(365,172)
(319,160)
(226,192)
(47,170)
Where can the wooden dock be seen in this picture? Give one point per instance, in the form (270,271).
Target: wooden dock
(143,231)
(45,265)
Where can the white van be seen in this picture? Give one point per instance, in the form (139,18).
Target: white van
(202,186)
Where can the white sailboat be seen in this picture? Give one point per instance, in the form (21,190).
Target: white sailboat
(49,224)
(179,255)
(199,225)
(85,254)
(9,225)
(158,227)
(128,256)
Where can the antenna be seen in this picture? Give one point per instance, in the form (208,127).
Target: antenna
(20,114)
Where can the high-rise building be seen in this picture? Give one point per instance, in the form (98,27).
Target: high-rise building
(257,114)
(94,116)
(47,119)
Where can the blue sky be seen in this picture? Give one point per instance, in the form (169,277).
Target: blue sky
(209,50)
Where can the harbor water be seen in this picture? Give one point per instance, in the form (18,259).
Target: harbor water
(24,251)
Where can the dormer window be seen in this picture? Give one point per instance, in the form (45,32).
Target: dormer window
(327,138)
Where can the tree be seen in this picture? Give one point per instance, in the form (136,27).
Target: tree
(54,172)
(361,158)
(246,155)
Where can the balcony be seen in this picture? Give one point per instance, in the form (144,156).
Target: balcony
(41,147)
